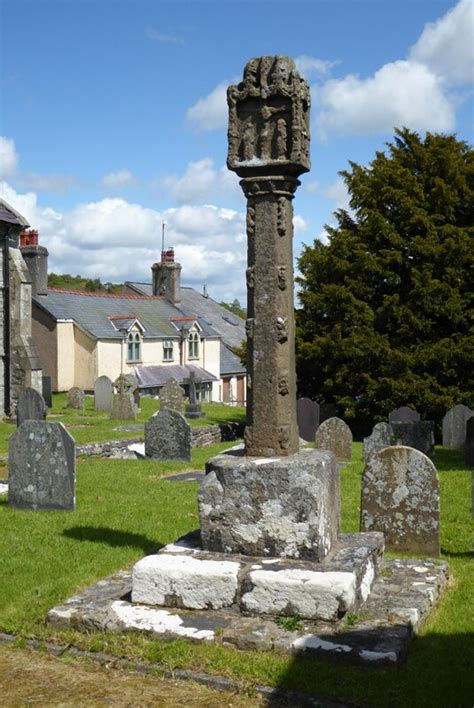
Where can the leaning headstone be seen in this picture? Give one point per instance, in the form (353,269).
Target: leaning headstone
(307,415)
(469,443)
(41,467)
(403,415)
(123,403)
(30,406)
(335,435)
(380,437)
(103,394)
(193,408)
(418,434)
(172,396)
(76,398)
(168,436)
(454,426)
(46,388)
(400,497)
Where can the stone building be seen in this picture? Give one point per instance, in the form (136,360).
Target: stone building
(83,335)
(19,361)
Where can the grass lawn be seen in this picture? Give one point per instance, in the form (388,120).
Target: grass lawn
(125,510)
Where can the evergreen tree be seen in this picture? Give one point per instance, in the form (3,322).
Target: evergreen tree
(387,303)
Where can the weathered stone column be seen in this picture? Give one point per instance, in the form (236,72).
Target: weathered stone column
(269,148)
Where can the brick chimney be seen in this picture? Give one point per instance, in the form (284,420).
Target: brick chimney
(36,258)
(166,277)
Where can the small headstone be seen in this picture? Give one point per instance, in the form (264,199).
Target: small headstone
(123,403)
(136,398)
(76,398)
(30,406)
(380,437)
(103,394)
(168,436)
(335,435)
(193,408)
(469,444)
(307,415)
(403,415)
(172,396)
(46,386)
(417,434)
(400,497)
(41,467)
(454,426)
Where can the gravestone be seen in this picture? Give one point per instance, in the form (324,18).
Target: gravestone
(454,426)
(400,497)
(418,434)
(41,467)
(193,408)
(380,437)
(103,394)
(123,403)
(335,435)
(403,415)
(172,396)
(469,443)
(307,416)
(30,406)
(76,398)
(46,388)
(168,436)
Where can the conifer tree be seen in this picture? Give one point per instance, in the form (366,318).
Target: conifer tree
(387,304)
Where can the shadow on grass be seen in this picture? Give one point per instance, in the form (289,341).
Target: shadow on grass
(112,537)
(448,460)
(462,554)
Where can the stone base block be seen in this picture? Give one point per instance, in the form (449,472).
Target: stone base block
(186,576)
(282,506)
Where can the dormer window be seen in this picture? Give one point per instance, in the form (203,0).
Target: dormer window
(167,350)
(134,345)
(193,345)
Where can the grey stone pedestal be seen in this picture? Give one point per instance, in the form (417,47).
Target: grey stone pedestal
(277,506)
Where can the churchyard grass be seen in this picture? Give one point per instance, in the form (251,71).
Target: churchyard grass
(125,510)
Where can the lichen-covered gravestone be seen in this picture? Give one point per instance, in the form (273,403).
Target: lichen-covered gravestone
(76,398)
(123,403)
(454,426)
(168,436)
(403,415)
(307,415)
(30,406)
(103,394)
(41,467)
(335,435)
(418,434)
(380,437)
(172,396)
(400,497)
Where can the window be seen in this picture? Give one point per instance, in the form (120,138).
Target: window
(133,347)
(193,346)
(167,350)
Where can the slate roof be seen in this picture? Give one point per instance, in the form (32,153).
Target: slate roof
(230,327)
(230,362)
(10,215)
(152,376)
(92,312)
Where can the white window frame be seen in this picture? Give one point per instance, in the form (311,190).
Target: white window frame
(193,345)
(134,347)
(168,350)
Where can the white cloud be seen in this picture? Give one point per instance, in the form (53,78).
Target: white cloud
(201,182)
(402,93)
(310,67)
(163,37)
(447,45)
(118,180)
(210,112)
(115,240)
(48,183)
(8,157)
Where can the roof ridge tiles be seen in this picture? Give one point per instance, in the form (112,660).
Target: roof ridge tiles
(111,295)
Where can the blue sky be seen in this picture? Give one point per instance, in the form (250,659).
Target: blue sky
(114,119)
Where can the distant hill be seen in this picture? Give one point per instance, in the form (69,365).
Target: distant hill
(77,282)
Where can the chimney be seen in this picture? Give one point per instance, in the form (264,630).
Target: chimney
(166,277)
(36,258)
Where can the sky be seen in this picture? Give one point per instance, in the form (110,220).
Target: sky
(113,118)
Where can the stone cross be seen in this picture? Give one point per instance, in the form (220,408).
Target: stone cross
(268,148)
